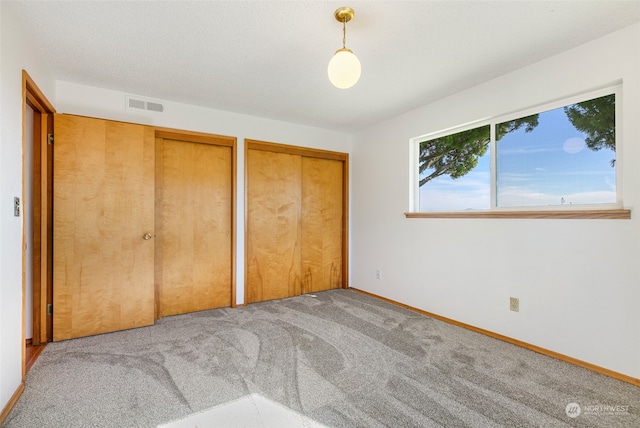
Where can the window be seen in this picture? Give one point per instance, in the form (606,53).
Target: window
(558,156)
(454,171)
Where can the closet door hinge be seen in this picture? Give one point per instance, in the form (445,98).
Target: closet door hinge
(50,138)
(50,309)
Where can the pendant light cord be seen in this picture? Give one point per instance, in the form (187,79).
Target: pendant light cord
(344,32)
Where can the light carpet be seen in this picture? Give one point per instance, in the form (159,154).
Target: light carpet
(341,359)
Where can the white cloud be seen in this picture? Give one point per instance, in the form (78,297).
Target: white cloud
(515,197)
(611,183)
(435,200)
(573,145)
(468,192)
(525,150)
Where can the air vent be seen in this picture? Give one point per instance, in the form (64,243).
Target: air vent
(134,102)
(155,107)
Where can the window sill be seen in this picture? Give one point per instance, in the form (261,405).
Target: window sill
(613,214)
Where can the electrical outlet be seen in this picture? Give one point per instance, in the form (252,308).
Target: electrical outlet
(378,274)
(514,304)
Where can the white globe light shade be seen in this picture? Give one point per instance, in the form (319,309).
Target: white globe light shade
(344,69)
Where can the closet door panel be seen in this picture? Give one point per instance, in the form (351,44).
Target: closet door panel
(103,194)
(193,216)
(322,224)
(273,225)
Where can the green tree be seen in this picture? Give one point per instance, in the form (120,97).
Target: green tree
(597,119)
(454,155)
(457,154)
(529,122)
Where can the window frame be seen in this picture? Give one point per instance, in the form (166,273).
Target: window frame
(605,210)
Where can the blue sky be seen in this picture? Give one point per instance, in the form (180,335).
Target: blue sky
(549,166)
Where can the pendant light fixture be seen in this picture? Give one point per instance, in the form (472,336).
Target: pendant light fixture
(344,68)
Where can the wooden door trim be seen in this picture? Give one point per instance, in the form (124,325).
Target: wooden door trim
(305,152)
(41,212)
(31,90)
(195,137)
(345,222)
(234,199)
(217,140)
(295,150)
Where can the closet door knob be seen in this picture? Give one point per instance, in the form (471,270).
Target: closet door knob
(147,236)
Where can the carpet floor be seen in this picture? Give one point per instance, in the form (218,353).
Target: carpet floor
(340,358)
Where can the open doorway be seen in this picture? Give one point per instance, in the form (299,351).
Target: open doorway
(37,219)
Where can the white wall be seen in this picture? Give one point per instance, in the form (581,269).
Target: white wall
(16,54)
(108,104)
(578,280)
(4,395)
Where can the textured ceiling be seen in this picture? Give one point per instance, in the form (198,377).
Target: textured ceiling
(269,58)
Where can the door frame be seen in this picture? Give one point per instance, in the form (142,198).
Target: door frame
(40,213)
(304,152)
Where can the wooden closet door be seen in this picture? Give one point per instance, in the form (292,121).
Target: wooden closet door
(322,224)
(273,225)
(103,266)
(193,217)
